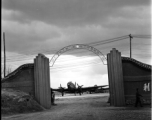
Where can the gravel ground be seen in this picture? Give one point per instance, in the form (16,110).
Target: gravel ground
(86,107)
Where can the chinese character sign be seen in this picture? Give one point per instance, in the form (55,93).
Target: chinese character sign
(146,87)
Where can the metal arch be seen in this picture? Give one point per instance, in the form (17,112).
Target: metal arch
(77,46)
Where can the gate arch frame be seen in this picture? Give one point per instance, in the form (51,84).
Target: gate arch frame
(77,46)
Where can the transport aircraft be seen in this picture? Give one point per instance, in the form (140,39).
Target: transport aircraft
(72,88)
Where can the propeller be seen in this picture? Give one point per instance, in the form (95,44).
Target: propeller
(61,87)
(79,86)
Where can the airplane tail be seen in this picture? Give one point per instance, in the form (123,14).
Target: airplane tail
(75,85)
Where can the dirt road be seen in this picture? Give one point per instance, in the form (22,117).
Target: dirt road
(86,107)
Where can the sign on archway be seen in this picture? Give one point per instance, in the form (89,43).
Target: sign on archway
(77,46)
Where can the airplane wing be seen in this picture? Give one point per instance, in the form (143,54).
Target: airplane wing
(84,89)
(65,90)
(60,89)
(79,90)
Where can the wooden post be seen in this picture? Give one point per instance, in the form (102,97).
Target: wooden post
(4,55)
(130,46)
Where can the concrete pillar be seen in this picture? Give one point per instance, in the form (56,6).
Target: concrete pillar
(42,81)
(115,76)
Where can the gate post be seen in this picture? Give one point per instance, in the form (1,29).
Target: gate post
(42,81)
(115,77)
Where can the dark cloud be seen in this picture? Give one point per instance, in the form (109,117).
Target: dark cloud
(38,24)
(68,12)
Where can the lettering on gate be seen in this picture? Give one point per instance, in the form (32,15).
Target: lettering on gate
(78,46)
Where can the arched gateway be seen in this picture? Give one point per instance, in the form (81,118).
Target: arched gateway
(42,74)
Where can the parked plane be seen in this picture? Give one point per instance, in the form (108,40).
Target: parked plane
(71,88)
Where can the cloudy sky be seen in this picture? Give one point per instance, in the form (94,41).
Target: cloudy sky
(46,26)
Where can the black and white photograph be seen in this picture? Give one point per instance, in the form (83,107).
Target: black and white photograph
(76,60)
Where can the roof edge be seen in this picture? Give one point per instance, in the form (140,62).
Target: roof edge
(144,65)
(17,70)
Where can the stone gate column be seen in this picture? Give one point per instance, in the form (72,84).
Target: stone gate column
(42,81)
(115,77)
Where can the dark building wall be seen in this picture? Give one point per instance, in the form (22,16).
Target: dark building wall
(21,79)
(132,69)
(136,75)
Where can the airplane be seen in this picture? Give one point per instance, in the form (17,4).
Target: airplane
(73,89)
